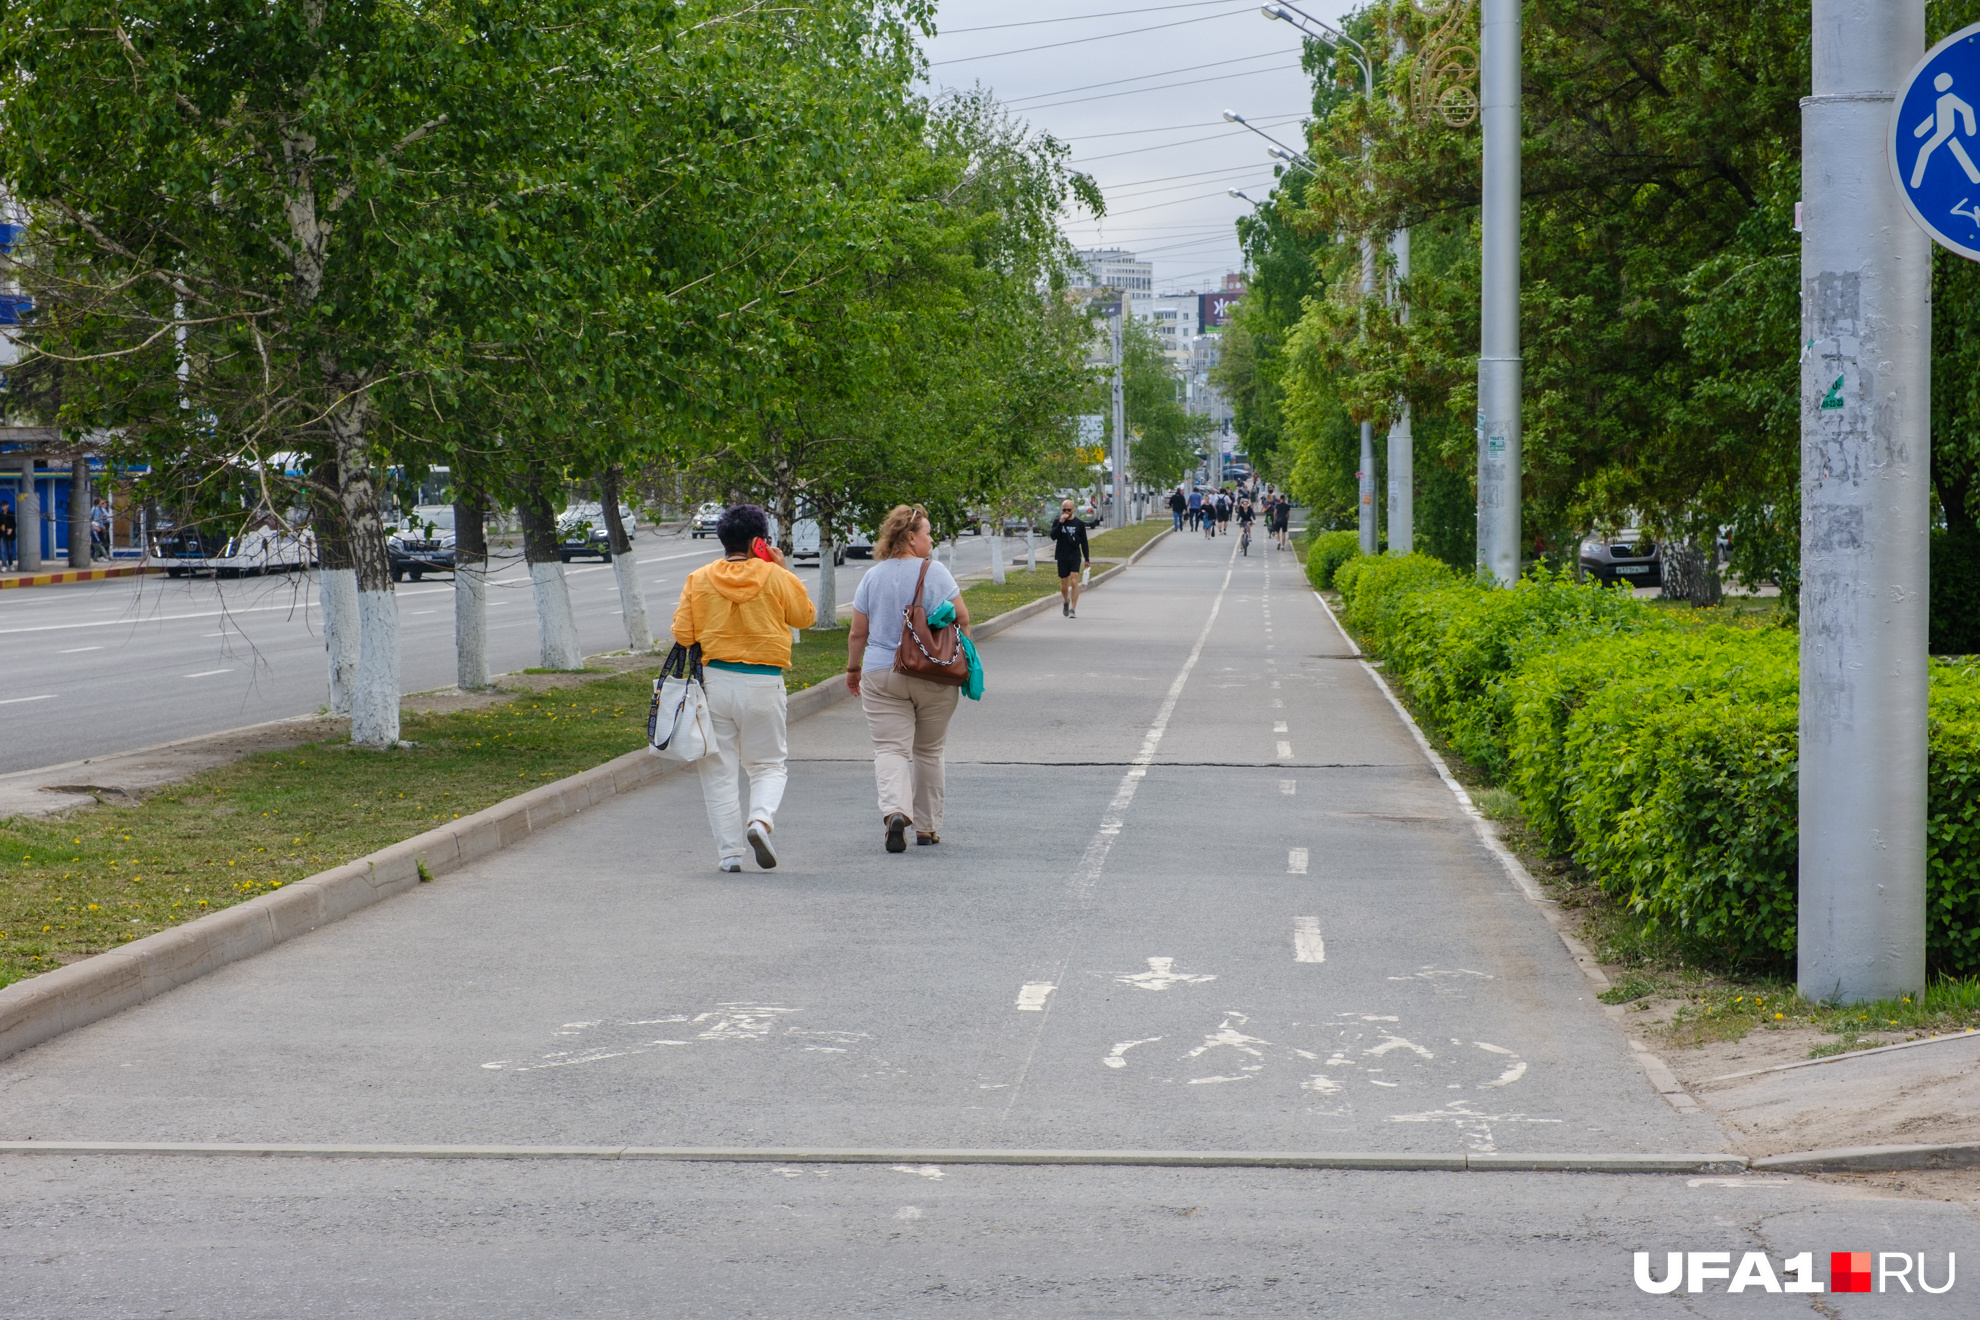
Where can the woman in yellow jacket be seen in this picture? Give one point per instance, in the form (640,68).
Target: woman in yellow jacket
(742,609)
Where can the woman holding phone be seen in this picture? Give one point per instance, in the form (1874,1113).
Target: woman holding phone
(907,716)
(741,609)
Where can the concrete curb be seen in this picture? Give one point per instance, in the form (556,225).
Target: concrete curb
(11,580)
(1144,1159)
(45,1006)
(1872,1159)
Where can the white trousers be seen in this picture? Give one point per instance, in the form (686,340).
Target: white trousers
(748,714)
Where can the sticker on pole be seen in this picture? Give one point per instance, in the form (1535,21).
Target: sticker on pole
(1935,142)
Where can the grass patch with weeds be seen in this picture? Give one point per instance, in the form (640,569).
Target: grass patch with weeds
(986,599)
(1124,541)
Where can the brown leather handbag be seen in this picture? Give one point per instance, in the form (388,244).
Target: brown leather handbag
(922,653)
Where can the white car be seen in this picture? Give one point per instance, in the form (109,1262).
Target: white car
(262,546)
(423,544)
(703,522)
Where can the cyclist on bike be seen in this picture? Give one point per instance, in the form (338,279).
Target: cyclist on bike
(1244,514)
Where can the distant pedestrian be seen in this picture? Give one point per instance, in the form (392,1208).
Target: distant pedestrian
(1070,552)
(741,609)
(1281,520)
(1178,506)
(8,549)
(99,527)
(1224,512)
(907,716)
(1195,509)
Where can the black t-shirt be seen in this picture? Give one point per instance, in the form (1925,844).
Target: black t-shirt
(1069,541)
(1245,513)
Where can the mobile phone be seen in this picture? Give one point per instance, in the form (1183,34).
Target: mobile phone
(761,549)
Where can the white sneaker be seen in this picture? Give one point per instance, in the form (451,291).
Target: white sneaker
(731,865)
(759,839)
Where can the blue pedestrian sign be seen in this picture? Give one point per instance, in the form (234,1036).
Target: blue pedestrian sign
(1935,142)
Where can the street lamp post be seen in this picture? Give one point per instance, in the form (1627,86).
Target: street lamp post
(1401,458)
(1500,370)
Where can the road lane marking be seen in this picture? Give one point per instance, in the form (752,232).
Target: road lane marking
(1307,944)
(1285,750)
(1162,974)
(1031,997)
(207,673)
(78,650)
(15,701)
(1296,861)
(1289,786)
(1116,1056)
(1279,726)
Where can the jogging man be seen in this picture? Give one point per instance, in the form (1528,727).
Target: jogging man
(1069,550)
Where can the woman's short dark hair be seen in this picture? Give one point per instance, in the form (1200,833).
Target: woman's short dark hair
(739,527)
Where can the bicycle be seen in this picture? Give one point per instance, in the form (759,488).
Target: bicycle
(1244,541)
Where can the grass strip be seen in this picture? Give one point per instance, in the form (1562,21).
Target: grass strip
(74,887)
(1124,541)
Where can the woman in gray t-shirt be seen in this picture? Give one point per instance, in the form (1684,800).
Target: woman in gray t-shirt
(907,716)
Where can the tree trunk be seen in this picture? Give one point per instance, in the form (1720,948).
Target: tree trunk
(1030,547)
(336,587)
(470,590)
(1690,574)
(632,599)
(79,556)
(375,698)
(556,626)
(828,581)
(996,537)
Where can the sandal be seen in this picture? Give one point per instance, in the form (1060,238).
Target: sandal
(926,837)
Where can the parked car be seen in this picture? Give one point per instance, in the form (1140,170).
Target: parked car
(260,546)
(1628,556)
(804,541)
(423,543)
(859,544)
(703,522)
(581,532)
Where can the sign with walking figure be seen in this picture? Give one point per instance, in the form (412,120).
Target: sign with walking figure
(1934,139)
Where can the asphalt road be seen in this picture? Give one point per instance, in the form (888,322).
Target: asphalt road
(1198,890)
(97,667)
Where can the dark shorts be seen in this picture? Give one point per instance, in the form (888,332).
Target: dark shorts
(1068,567)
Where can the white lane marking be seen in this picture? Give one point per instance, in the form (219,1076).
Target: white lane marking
(685,554)
(1307,944)
(1288,786)
(207,673)
(1513,1072)
(1285,750)
(1279,727)
(78,650)
(15,701)
(924,1170)
(1161,974)
(1296,861)
(1738,1182)
(1031,997)
(1116,1057)
(907,1212)
(1094,859)
(1398,1043)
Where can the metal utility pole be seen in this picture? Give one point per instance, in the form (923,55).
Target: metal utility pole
(1499,367)
(79,505)
(1865,502)
(1370,534)
(1402,446)
(1118,514)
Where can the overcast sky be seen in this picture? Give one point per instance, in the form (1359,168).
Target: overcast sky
(1138,92)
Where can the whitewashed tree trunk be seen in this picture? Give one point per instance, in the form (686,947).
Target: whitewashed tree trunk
(337,595)
(556,626)
(1030,549)
(470,595)
(996,536)
(375,703)
(828,582)
(625,569)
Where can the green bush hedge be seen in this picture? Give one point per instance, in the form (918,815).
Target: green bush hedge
(1327,551)
(1656,751)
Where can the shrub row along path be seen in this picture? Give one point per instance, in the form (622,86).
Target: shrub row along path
(1198,890)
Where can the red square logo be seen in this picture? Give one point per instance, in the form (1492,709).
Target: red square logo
(1849,1271)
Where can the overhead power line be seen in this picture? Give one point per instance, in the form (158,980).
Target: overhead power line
(1080,41)
(1160,146)
(1177,128)
(1141,77)
(1158,87)
(1080,18)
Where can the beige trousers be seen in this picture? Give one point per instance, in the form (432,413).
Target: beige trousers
(909,720)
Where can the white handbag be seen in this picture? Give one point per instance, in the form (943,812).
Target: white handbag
(678,726)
